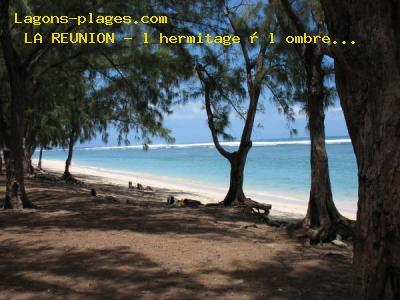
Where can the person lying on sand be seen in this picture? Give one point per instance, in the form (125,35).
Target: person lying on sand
(183,202)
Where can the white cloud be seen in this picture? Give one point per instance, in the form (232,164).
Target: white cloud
(335,109)
(190,111)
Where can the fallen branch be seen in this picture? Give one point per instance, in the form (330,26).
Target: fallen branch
(256,209)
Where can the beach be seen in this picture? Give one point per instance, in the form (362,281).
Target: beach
(124,244)
(282,207)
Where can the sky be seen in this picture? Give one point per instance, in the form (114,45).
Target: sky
(188,124)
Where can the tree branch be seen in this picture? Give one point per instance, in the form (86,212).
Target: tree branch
(210,115)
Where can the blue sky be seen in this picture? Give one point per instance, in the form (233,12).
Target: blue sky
(189,125)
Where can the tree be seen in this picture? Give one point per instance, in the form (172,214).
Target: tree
(3,95)
(79,124)
(368,83)
(231,77)
(22,63)
(50,133)
(14,153)
(40,157)
(323,220)
(220,89)
(28,68)
(251,75)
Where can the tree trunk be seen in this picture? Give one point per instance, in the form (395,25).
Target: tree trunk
(323,220)
(17,77)
(236,159)
(1,162)
(29,148)
(235,193)
(40,158)
(16,156)
(67,174)
(368,83)
(13,199)
(28,166)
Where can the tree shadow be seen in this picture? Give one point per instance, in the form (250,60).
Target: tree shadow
(34,267)
(40,271)
(68,207)
(115,273)
(291,278)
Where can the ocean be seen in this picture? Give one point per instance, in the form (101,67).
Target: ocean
(278,167)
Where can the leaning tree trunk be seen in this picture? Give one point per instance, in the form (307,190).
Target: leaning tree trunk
(368,83)
(235,193)
(323,220)
(67,174)
(40,158)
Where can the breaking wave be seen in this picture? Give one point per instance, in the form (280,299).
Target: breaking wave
(211,145)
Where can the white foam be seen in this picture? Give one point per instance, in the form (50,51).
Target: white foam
(211,145)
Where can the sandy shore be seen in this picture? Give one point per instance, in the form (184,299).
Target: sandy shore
(282,206)
(126,244)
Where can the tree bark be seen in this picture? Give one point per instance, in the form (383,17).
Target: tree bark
(323,219)
(17,150)
(368,82)
(256,72)
(13,198)
(1,162)
(40,158)
(28,166)
(67,174)
(237,163)
(236,159)
(17,77)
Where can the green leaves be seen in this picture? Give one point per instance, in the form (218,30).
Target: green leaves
(87,89)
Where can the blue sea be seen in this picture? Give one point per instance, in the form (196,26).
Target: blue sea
(281,167)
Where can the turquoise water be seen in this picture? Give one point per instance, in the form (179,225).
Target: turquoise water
(281,167)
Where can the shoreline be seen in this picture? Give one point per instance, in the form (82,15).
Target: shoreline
(258,143)
(282,206)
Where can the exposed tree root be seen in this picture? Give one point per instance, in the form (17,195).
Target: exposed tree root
(17,199)
(68,178)
(13,199)
(260,211)
(29,205)
(254,208)
(327,232)
(47,177)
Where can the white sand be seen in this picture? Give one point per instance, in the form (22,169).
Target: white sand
(281,206)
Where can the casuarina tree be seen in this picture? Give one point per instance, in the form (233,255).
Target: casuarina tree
(309,71)
(368,83)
